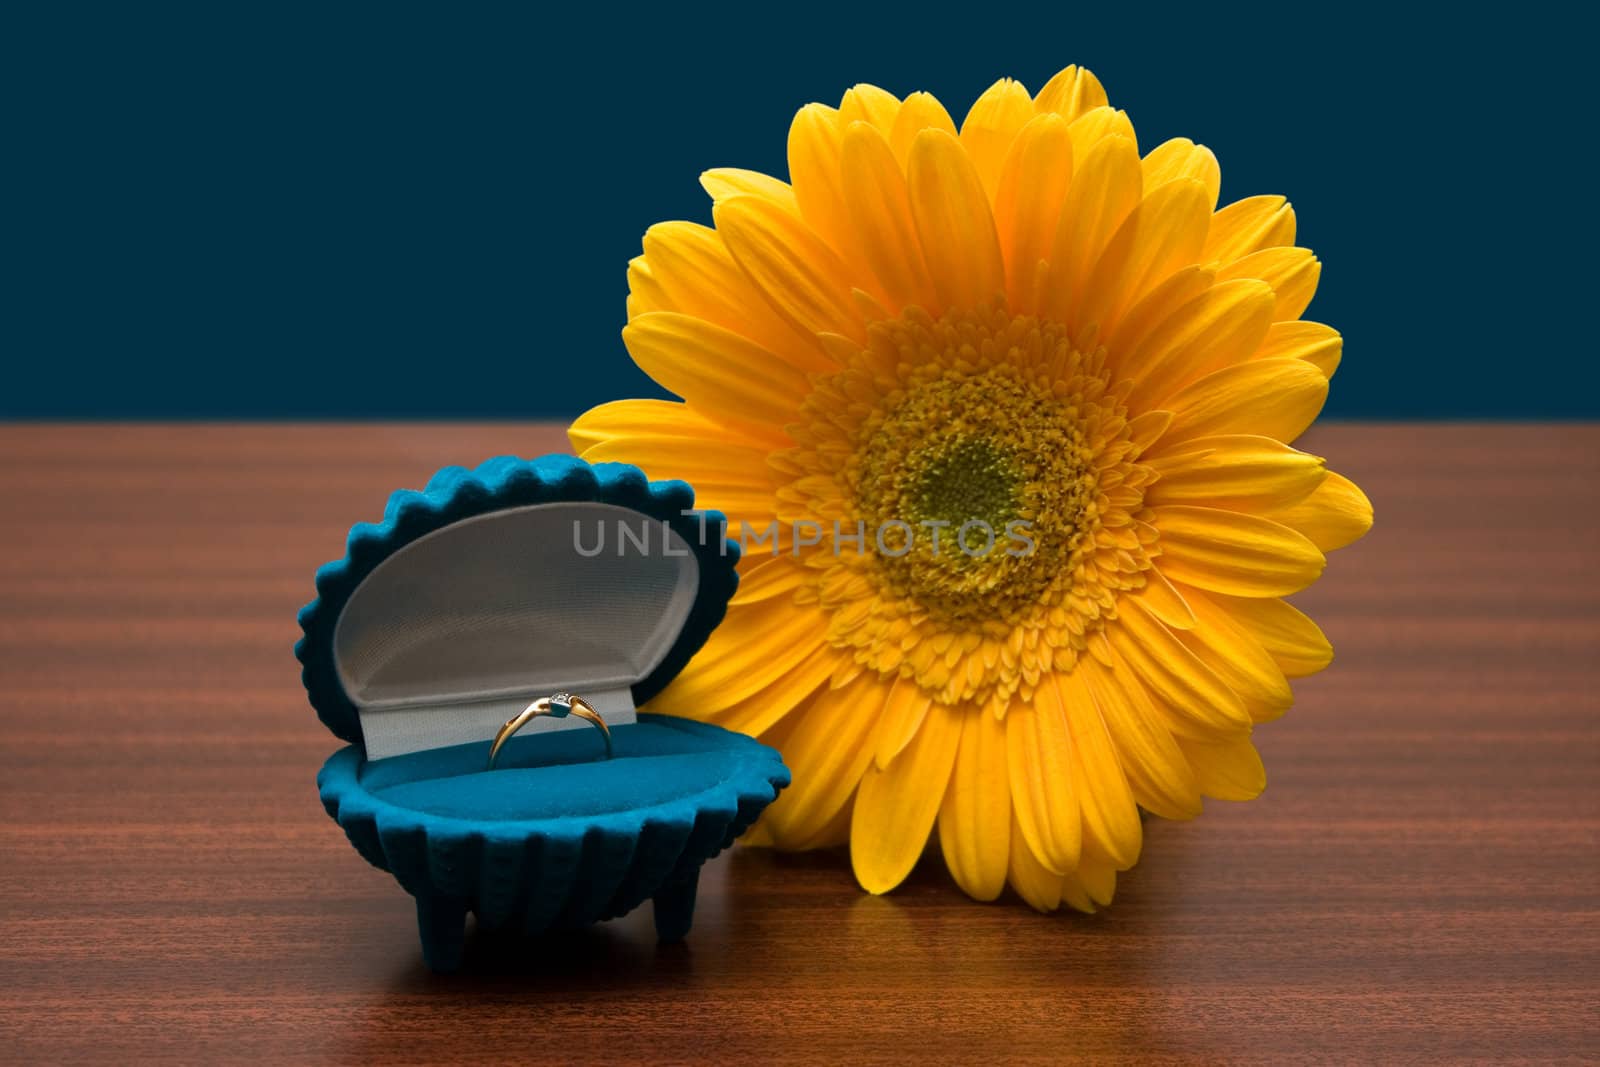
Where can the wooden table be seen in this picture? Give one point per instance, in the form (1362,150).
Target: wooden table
(1418,881)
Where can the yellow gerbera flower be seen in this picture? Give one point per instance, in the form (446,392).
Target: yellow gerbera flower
(1062,358)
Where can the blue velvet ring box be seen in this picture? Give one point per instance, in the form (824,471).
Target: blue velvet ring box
(486,590)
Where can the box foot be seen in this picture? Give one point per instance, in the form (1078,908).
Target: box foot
(442,925)
(674,907)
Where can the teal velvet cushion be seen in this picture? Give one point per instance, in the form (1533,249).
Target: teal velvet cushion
(556,835)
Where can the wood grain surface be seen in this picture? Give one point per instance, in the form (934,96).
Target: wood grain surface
(1417,883)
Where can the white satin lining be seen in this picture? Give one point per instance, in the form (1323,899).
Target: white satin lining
(459,630)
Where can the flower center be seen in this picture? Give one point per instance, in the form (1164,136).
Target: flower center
(985,478)
(970,479)
(993,464)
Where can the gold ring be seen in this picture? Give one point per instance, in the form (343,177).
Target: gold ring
(556,705)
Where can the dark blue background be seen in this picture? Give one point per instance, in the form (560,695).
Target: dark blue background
(398,211)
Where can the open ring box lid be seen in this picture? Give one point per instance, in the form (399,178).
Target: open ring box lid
(483,592)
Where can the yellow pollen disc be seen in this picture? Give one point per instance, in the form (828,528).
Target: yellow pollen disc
(989,464)
(990,477)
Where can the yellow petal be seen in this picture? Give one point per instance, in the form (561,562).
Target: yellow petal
(1319,345)
(1106,186)
(919,112)
(1091,886)
(1111,827)
(1162,599)
(869,307)
(793,268)
(895,807)
(1239,472)
(1292,273)
(1276,398)
(954,223)
(836,833)
(1099,124)
(727,468)
(1238,659)
(1222,326)
(827,747)
(975,819)
(720,373)
(1228,770)
(1199,700)
(993,122)
(1070,93)
(816,144)
(756,645)
(870,104)
(761,579)
(697,276)
(734,481)
(779,697)
(644,292)
(1033,185)
(1337,514)
(1145,430)
(880,212)
(903,713)
(1161,235)
(1182,158)
(1039,765)
(1157,772)
(1154,310)
(1295,643)
(1247,226)
(1229,552)
(1034,883)
(725,183)
(622,419)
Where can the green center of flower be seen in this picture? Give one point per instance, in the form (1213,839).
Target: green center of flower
(980,479)
(993,463)
(967,480)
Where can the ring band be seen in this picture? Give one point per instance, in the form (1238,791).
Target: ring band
(556,705)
